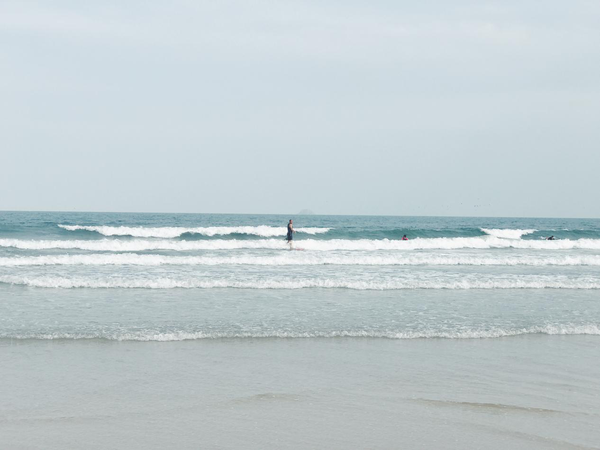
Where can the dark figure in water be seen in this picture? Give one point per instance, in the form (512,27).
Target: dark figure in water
(290,234)
(404,238)
(551,238)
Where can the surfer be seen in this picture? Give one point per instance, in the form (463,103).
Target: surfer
(551,238)
(290,234)
(404,238)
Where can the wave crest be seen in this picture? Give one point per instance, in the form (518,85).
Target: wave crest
(473,333)
(541,282)
(483,242)
(506,233)
(300,259)
(174,232)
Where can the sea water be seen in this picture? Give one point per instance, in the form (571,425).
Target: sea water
(207,331)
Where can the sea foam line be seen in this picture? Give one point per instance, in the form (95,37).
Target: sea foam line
(473,333)
(300,259)
(173,232)
(483,242)
(529,282)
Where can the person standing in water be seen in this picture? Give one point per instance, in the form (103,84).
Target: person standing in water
(290,234)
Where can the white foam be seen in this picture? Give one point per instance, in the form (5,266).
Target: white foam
(173,232)
(472,333)
(464,283)
(507,233)
(302,259)
(483,242)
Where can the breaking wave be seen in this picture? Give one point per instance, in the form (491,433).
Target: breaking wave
(531,282)
(473,333)
(484,242)
(174,232)
(507,233)
(300,259)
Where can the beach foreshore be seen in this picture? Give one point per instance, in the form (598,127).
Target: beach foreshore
(522,392)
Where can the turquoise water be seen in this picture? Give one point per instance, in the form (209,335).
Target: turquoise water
(153,331)
(37,225)
(185,276)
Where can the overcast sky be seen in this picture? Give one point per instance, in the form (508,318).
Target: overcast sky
(343,107)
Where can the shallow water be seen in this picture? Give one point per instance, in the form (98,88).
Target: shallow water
(526,392)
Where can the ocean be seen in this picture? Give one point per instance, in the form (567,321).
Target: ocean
(186,331)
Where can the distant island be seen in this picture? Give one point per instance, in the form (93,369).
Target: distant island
(306,212)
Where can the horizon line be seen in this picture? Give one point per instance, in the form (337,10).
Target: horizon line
(293,214)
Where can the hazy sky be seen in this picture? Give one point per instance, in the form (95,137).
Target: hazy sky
(343,107)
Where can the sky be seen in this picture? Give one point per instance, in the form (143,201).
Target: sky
(469,108)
